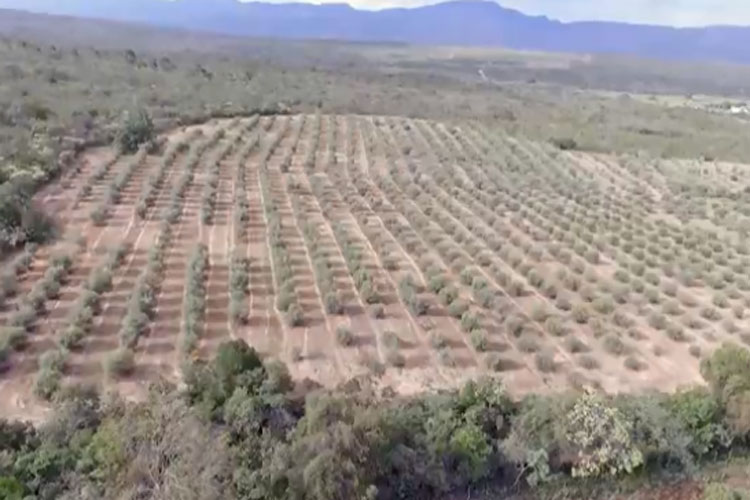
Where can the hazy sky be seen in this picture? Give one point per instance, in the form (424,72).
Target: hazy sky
(671,12)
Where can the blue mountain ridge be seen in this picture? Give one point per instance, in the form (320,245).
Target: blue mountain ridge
(461,22)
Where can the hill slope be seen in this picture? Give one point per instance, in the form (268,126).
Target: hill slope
(451,23)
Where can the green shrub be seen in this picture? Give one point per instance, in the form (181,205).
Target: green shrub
(294,316)
(377,311)
(448,294)
(391,340)
(344,336)
(195,297)
(469,322)
(588,294)
(604,305)
(718,491)
(657,320)
(539,312)
(51,366)
(710,314)
(528,344)
(285,299)
(672,307)
(417,305)
(634,364)
(479,339)
(602,437)
(137,129)
(239,311)
(120,363)
(515,324)
(578,266)
(720,300)
(11,488)
(550,290)
(410,296)
(8,284)
(588,362)
(395,358)
(99,215)
(100,280)
(614,345)
(13,337)
(738,311)
(572,282)
(24,317)
(637,268)
(581,313)
(535,279)
(652,295)
(730,326)
(638,286)
(485,297)
(332,303)
(72,337)
(652,278)
(727,372)
(699,414)
(563,303)
(437,283)
(368,293)
(670,288)
(437,341)
(516,289)
(457,308)
(575,345)
(467,276)
(565,143)
(622,319)
(555,326)
(545,362)
(592,256)
(21,220)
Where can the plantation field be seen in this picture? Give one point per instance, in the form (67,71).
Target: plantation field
(420,253)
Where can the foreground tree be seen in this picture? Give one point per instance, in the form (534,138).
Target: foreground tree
(137,129)
(728,375)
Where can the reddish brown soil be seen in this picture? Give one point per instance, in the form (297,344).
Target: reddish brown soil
(403,193)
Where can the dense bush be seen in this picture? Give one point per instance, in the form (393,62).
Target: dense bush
(410,296)
(21,321)
(581,313)
(239,280)
(120,363)
(156,180)
(87,306)
(137,129)
(142,302)
(51,366)
(565,143)
(294,315)
(344,336)
(217,436)
(728,375)
(194,306)
(18,266)
(20,221)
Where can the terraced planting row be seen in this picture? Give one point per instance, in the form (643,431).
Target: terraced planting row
(417,252)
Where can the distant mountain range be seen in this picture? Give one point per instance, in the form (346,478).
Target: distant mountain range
(463,22)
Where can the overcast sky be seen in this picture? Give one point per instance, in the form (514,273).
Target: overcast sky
(670,12)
